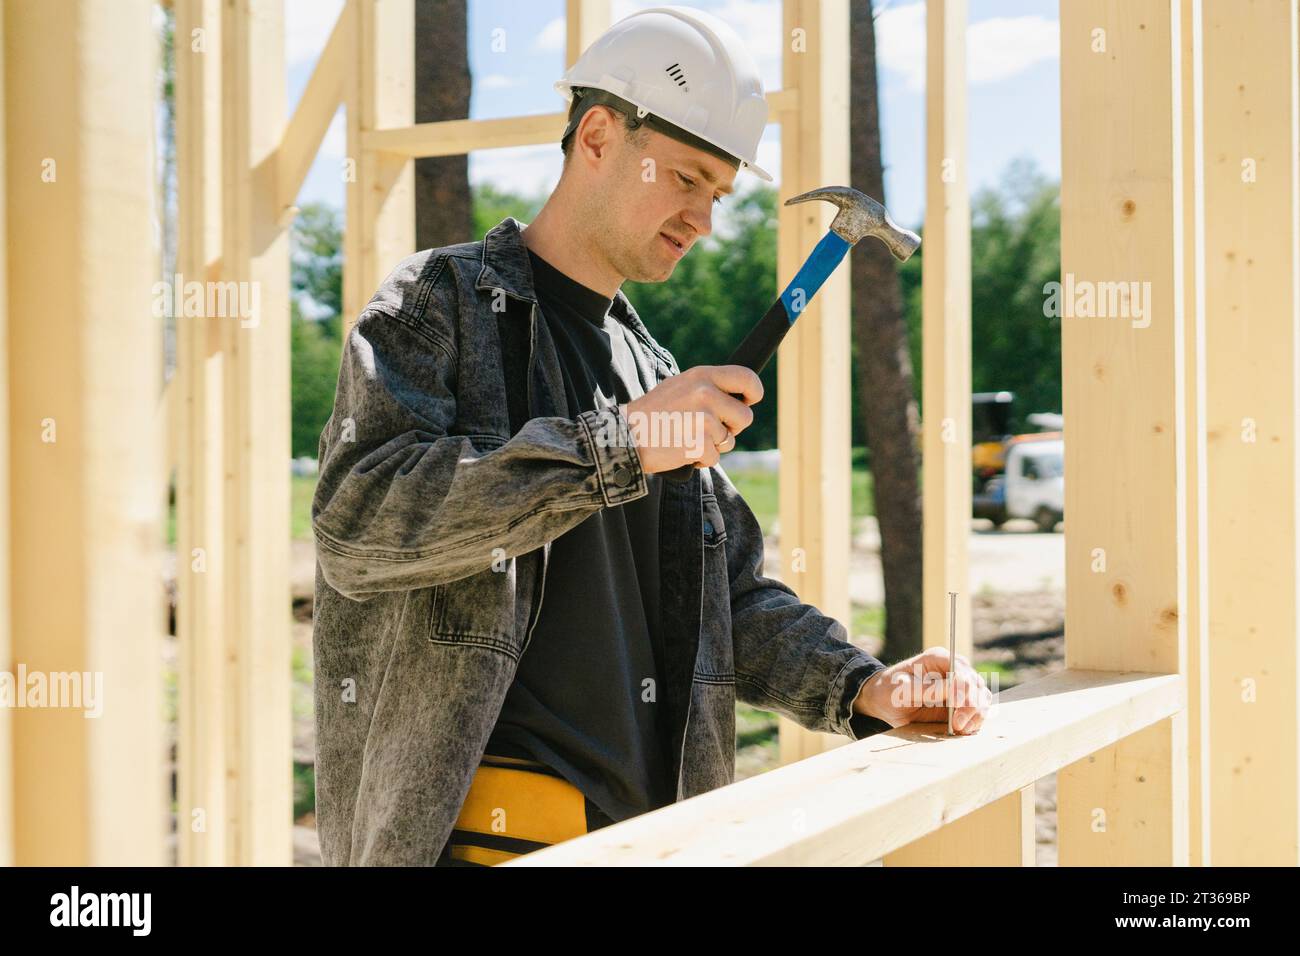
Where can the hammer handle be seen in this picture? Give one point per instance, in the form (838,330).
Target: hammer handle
(754,352)
(760,344)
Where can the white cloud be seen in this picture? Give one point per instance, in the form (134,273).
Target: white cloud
(552,38)
(768,157)
(523,169)
(758,23)
(335,141)
(307,26)
(996,49)
(900,43)
(1004,46)
(496,81)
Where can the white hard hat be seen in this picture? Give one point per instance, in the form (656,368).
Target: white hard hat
(686,71)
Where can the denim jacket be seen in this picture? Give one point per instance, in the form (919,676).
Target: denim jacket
(450,463)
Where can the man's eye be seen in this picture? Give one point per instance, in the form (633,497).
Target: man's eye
(690,184)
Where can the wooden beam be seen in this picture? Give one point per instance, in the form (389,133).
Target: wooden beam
(945,324)
(857,803)
(315,111)
(1123,382)
(1196,608)
(1000,834)
(202,708)
(458,137)
(87,610)
(381,191)
(1252,327)
(584,21)
(254,547)
(6,646)
(1126,804)
(813,363)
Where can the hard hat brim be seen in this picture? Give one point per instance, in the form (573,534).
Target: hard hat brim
(565,89)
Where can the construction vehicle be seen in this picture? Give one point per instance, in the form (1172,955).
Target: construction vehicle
(1016,476)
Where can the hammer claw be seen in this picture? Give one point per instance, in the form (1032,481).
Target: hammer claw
(860,216)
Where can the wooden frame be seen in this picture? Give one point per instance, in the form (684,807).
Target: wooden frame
(854,804)
(84,462)
(1167,500)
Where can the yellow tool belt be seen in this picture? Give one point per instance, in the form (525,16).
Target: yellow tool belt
(516,806)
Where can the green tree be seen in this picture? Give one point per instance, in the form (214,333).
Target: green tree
(1015,251)
(315,371)
(491,205)
(316,276)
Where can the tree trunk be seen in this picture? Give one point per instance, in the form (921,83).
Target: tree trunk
(443,213)
(883,366)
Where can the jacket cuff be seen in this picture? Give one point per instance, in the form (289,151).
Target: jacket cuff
(845,691)
(618,463)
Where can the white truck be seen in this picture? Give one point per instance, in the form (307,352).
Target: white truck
(1031,486)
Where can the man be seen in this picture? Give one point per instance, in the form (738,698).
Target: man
(523,631)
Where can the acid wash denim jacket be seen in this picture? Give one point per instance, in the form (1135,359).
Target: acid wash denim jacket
(450,463)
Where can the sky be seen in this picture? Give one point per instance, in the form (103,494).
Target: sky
(516,53)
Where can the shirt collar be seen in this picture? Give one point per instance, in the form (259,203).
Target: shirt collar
(505,266)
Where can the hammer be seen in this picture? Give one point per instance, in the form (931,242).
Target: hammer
(859,216)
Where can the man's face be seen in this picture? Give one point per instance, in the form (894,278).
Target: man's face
(661,191)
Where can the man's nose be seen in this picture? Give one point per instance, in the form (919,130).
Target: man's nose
(700,221)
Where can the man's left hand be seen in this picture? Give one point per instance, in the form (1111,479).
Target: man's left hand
(916,691)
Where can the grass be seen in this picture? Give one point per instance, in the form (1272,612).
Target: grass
(867,620)
(756,728)
(301,490)
(761,491)
(300,507)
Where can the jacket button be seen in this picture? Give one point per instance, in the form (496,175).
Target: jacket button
(622,475)
(708,527)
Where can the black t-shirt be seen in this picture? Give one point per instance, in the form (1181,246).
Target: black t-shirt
(585,697)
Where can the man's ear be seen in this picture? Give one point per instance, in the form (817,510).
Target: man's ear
(594,129)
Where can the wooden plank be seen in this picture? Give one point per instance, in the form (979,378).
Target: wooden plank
(1126,804)
(1196,609)
(380,196)
(584,21)
(1123,381)
(314,112)
(857,803)
(6,648)
(86,542)
(255,421)
(1000,834)
(201,817)
(1252,326)
(813,363)
(457,137)
(945,330)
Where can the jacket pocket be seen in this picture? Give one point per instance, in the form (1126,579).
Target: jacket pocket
(479,609)
(715,532)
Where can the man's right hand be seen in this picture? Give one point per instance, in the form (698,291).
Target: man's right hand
(694,417)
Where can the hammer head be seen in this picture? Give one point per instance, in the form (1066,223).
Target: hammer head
(859,216)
